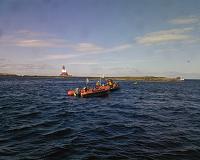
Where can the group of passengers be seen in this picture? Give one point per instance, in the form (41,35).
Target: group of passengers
(109,82)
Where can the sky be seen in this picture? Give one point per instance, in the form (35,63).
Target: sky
(95,37)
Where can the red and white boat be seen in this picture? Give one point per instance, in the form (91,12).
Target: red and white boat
(89,92)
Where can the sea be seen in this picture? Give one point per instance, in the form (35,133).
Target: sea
(143,121)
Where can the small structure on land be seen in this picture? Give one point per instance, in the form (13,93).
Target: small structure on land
(64,72)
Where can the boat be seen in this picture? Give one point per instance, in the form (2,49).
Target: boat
(135,82)
(89,92)
(99,90)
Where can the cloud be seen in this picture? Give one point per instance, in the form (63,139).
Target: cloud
(39,43)
(27,38)
(59,56)
(32,39)
(118,48)
(91,49)
(165,36)
(86,47)
(32,43)
(27,42)
(185,20)
(111,49)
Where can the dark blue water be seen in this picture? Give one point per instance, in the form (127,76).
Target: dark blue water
(147,121)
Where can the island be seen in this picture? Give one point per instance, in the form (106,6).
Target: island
(125,78)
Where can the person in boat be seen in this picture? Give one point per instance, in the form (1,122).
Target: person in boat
(97,84)
(85,89)
(77,92)
(110,82)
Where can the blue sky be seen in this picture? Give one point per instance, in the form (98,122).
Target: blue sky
(95,37)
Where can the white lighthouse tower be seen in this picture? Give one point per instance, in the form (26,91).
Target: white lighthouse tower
(64,72)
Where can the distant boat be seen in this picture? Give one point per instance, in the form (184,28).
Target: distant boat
(135,82)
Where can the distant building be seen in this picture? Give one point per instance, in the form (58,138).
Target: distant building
(64,72)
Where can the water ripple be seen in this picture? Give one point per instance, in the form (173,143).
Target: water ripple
(147,121)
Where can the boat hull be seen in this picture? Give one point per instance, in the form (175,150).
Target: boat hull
(89,93)
(100,93)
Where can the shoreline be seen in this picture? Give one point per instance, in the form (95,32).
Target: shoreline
(121,78)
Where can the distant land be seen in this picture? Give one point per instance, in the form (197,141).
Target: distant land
(140,78)
(6,74)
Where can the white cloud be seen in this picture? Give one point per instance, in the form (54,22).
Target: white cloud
(86,47)
(29,42)
(185,20)
(91,49)
(32,39)
(32,43)
(165,36)
(39,43)
(58,56)
(118,48)
(27,38)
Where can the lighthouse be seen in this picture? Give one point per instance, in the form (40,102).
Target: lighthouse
(64,72)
